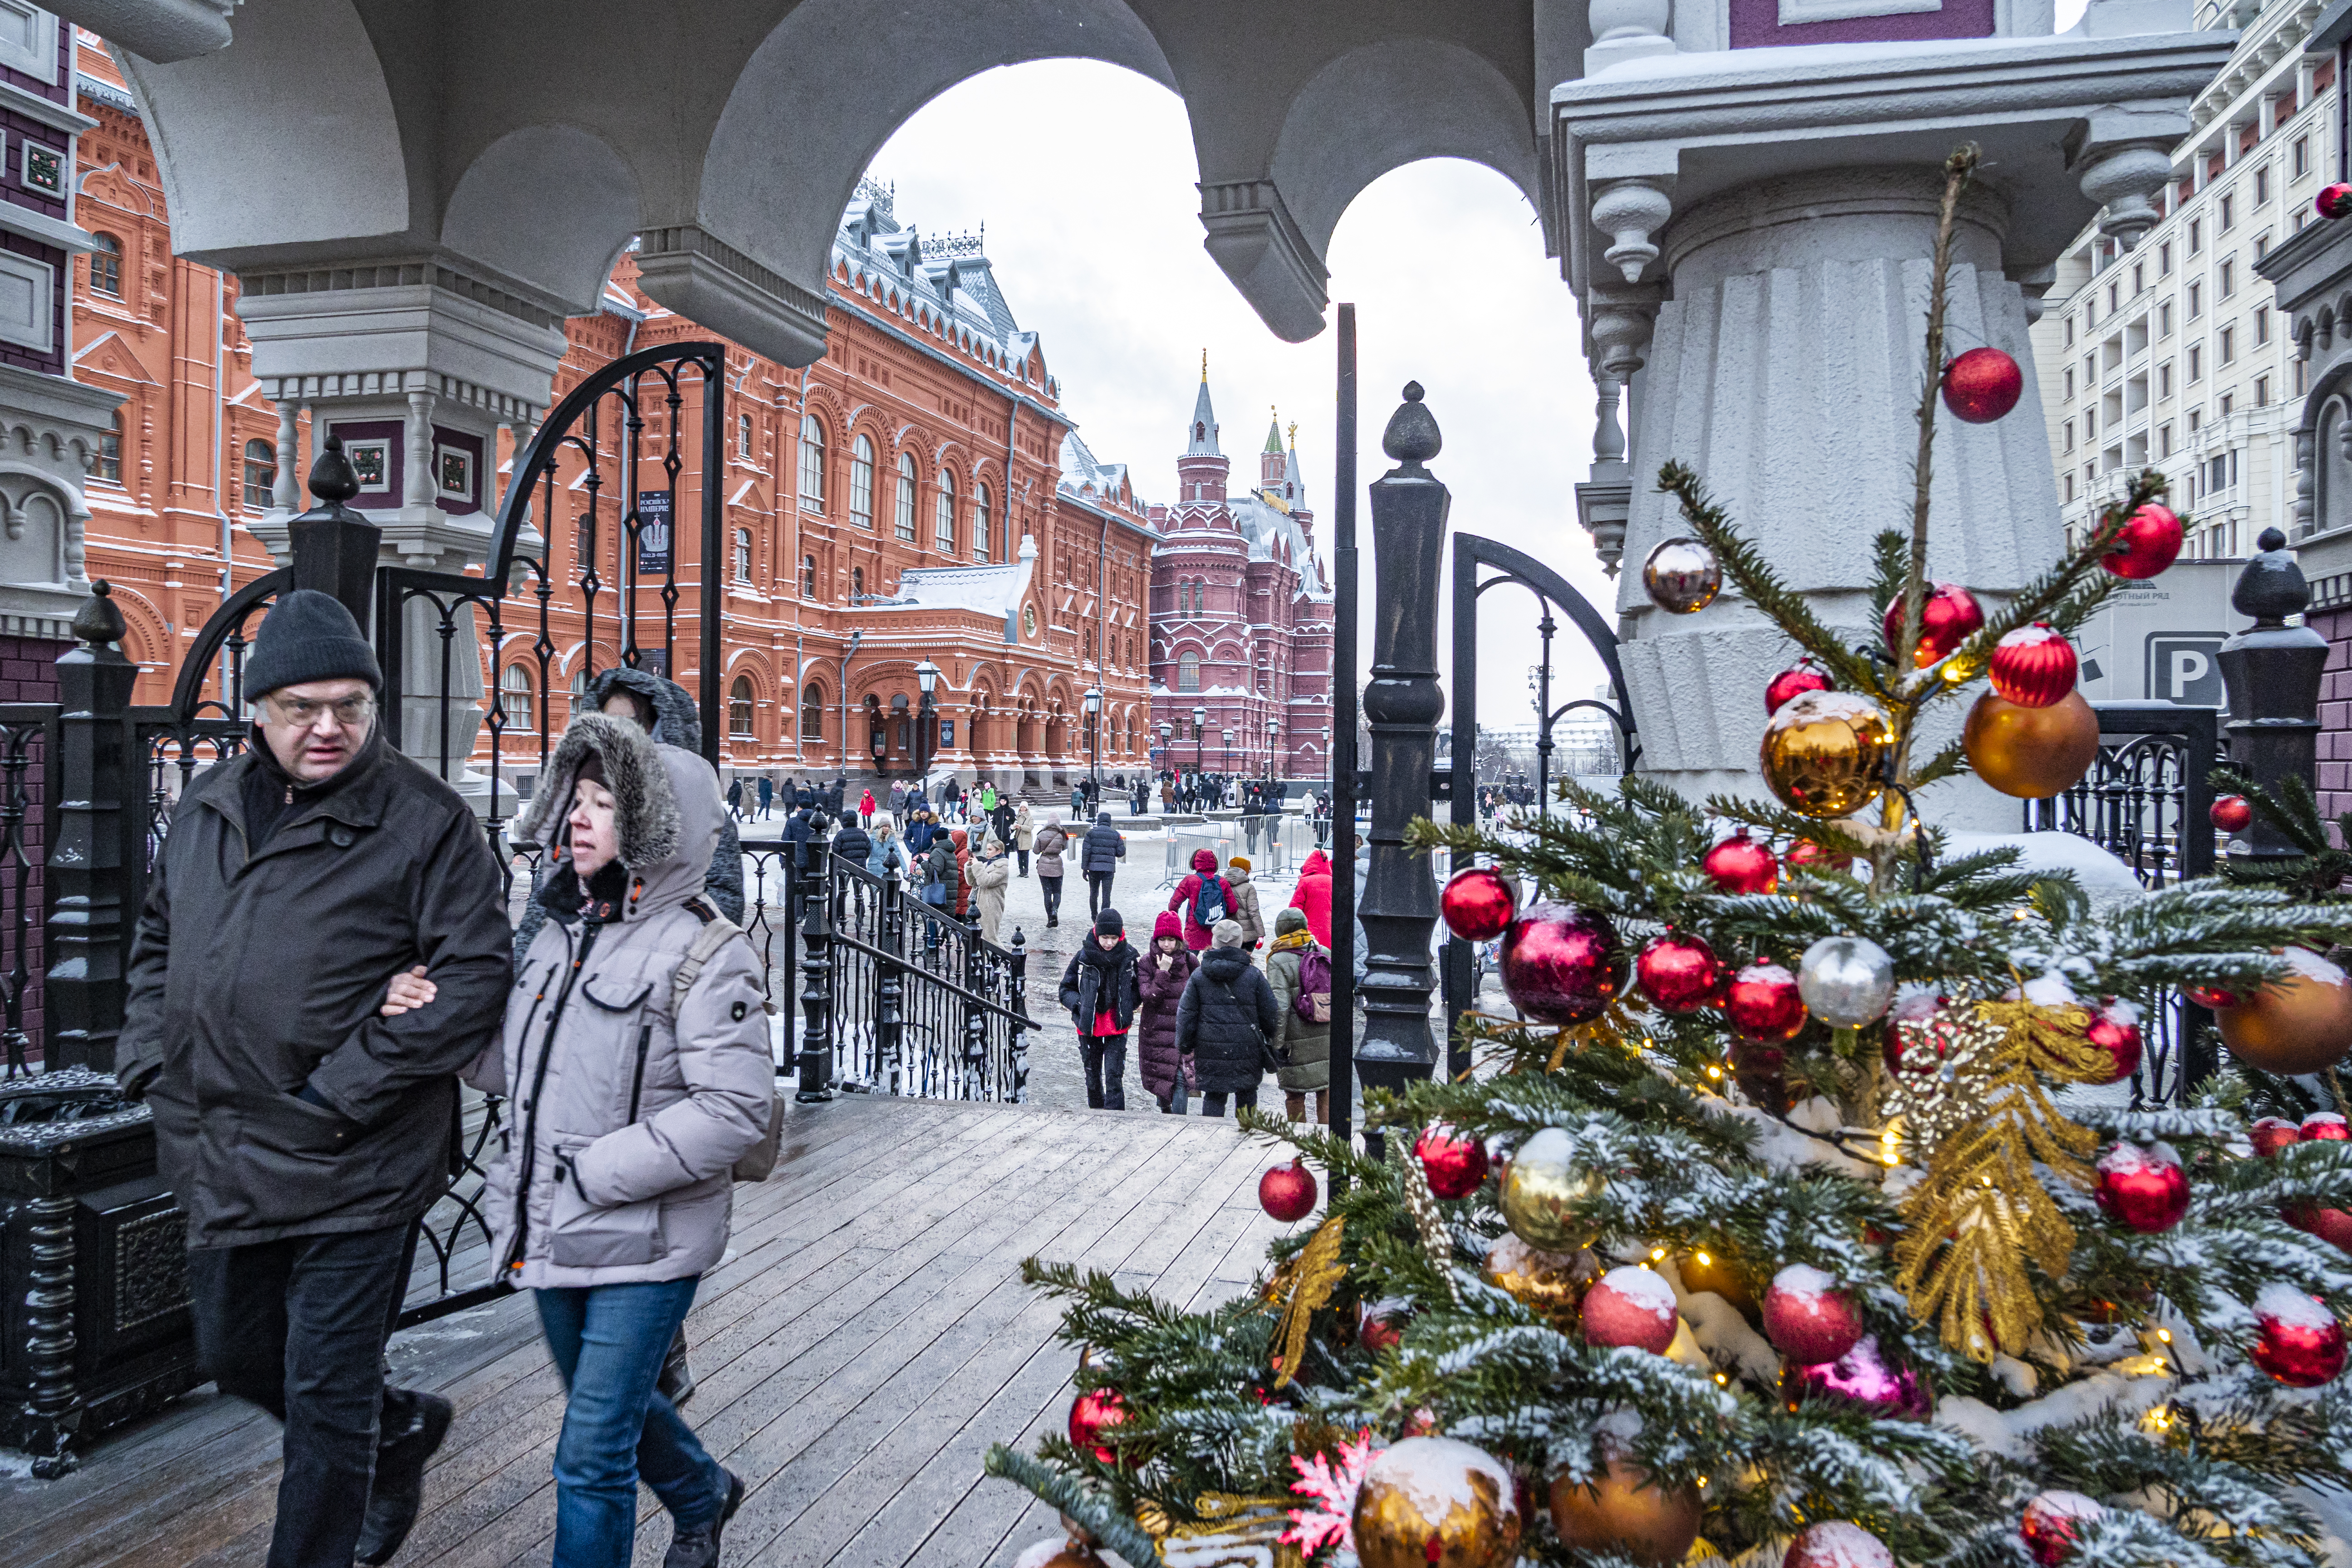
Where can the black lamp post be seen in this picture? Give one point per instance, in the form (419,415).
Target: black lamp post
(1167,743)
(1199,731)
(1403,704)
(1272,728)
(1094,746)
(2272,673)
(927,719)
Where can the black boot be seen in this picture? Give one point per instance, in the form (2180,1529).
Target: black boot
(398,1490)
(699,1548)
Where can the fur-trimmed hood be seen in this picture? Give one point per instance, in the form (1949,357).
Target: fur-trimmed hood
(666,810)
(677,721)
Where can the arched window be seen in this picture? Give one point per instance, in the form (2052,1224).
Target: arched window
(980,523)
(107,465)
(260,473)
(580,687)
(743,555)
(106,267)
(808,576)
(739,708)
(1187,673)
(943,516)
(856,584)
(812,712)
(812,464)
(861,483)
(514,697)
(905,517)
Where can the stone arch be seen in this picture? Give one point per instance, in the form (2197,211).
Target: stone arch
(546,202)
(146,639)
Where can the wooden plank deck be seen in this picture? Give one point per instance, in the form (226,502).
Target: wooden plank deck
(864,1341)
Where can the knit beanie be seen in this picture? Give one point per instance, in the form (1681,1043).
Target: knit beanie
(1109,924)
(1227,935)
(1239,863)
(308,636)
(1289,920)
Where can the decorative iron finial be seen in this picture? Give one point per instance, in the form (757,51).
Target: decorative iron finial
(1411,437)
(2272,587)
(1293,435)
(99,620)
(333,480)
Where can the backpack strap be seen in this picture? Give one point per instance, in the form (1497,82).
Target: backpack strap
(717,932)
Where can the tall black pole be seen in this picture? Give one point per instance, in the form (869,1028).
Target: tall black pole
(1343,740)
(1457,959)
(1403,703)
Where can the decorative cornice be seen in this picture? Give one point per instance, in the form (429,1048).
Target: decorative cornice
(420,273)
(707,280)
(1256,242)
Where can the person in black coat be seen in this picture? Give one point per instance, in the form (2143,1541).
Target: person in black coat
(1099,858)
(1225,1024)
(852,843)
(1101,990)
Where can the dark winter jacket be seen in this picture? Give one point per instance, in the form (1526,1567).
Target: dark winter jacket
(939,871)
(1155,1030)
(676,723)
(852,843)
(796,835)
(1226,1022)
(1103,848)
(1100,977)
(254,977)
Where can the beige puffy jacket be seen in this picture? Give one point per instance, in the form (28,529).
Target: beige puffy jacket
(625,1118)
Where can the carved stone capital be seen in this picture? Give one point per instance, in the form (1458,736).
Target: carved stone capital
(2120,159)
(1631,212)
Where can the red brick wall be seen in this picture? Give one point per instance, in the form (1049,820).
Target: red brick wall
(29,673)
(2335,713)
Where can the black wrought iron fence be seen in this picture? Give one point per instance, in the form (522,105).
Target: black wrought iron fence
(27,740)
(2148,801)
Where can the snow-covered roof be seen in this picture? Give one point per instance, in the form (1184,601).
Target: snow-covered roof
(995,591)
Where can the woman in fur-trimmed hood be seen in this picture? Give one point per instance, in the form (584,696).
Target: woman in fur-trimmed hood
(629,1104)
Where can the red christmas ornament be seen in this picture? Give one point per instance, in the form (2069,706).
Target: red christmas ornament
(1680,973)
(2118,1034)
(2334,201)
(1287,1191)
(1092,1416)
(1739,865)
(1808,1317)
(1802,677)
(1478,903)
(1806,854)
(2050,1523)
(1763,1003)
(2233,813)
(2033,667)
(1836,1544)
(2271,1134)
(2333,1226)
(1454,1163)
(1861,1376)
(1382,1328)
(2148,542)
(1948,617)
(2213,998)
(2302,1345)
(1560,965)
(1981,385)
(2142,1185)
(1631,1307)
(2322,1127)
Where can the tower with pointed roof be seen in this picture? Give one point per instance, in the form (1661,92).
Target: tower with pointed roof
(1202,472)
(1270,457)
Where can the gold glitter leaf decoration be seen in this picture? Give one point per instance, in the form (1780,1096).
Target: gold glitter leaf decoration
(1973,1103)
(1305,1283)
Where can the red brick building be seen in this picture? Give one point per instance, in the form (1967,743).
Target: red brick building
(1241,613)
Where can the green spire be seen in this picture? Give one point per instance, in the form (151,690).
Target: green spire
(1274,435)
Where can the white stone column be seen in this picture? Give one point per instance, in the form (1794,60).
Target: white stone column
(1786,370)
(416,466)
(285,495)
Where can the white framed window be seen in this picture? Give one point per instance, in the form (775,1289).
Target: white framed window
(861,483)
(743,435)
(981,523)
(260,473)
(1187,673)
(515,699)
(743,555)
(943,532)
(902,519)
(813,712)
(738,708)
(811,463)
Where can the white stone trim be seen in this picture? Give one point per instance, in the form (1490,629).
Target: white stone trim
(36,327)
(28,40)
(1797,12)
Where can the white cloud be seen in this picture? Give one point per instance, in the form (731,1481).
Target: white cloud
(1084,176)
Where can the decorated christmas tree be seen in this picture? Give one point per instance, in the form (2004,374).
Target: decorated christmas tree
(1786,1223)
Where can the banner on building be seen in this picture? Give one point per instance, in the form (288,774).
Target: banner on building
(653,533)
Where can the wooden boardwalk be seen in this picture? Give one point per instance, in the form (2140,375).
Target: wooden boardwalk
(865,1341)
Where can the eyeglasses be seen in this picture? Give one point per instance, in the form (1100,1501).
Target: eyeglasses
(301,712)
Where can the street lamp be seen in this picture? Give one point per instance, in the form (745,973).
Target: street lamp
(1272,728)
(1094,745)
(926,731)
(1200,722)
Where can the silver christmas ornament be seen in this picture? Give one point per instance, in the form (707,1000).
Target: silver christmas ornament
(1682,576)
(1846,981)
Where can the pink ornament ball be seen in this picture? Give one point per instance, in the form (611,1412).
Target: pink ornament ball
(1478,903)
(1808,1317)
(1630,1308)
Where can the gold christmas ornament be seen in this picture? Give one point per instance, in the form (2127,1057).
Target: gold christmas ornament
(1436,1503)
(1619,1511)
(1682,576)
(2299,1025)
(2032,752)
(1544,1183)
(1550,1284)
(1825,752)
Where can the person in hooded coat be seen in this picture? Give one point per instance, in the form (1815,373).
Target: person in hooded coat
(1312,897)
(1052,839)
(866,809)
(1099,858)
(1164,971)
(959,887)
(988,872)
(1303,1048)
(1101,989)
(939,873)
(1187,900)
(613,1193)
(1225,1024)
(1025,834)
(1245,892)
(885,854)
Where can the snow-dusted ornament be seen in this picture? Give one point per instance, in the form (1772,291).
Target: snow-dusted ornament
(1436,1503)
(1330,1483)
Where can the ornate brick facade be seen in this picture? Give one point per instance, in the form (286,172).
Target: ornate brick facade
(1241,614)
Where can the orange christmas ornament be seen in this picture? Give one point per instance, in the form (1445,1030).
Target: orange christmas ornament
(2299,1025)
(1621,1511)
(2032,752)
(1436,1503)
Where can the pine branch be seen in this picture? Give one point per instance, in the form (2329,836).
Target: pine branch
(1957,168)
(1088,1505)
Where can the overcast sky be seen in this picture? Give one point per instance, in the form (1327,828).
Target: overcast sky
(1084,176)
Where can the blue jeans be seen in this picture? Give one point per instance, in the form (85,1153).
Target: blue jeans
(608,1342)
